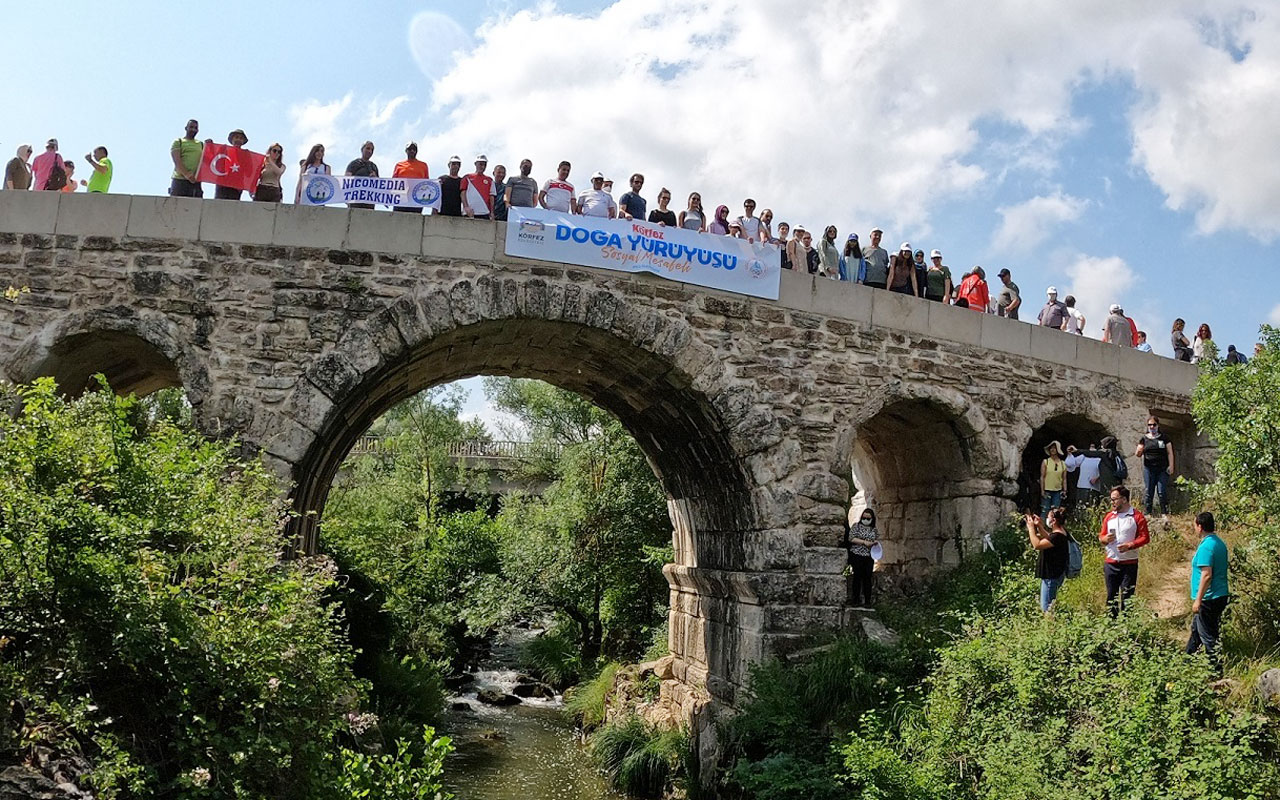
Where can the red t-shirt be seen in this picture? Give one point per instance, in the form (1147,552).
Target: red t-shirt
(477,189)
(411,169)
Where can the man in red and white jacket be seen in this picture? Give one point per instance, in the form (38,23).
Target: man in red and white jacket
(1124,530)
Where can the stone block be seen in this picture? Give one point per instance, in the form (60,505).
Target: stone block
(899,311)
(436,246)
(1142,368)
(93,215)
(310,226)
(461,228)
(384,231)
(1007,335)
(842,299)
(951,324)
(1052,345)
(165,218)
(795,290)
(237,223)
(1097,356)
(1175,376)
(28,212)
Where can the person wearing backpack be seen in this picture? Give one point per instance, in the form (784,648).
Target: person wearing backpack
(47,169)
(1053,548)
(1112,469)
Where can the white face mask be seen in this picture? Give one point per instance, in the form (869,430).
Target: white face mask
(866,520)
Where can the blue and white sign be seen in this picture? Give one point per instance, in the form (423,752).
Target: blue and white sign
(703,259)
(322,190)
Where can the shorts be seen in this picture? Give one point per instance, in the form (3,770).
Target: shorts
(265,193)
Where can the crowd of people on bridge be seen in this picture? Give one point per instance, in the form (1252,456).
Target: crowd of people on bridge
(482,195)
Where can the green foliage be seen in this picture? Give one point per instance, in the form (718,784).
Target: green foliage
(638,758)
(586,702)
(412,772)
(147,616)
(1028,705)
(590,549)
(553,658)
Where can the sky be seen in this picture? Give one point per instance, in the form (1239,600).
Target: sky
(1121,152)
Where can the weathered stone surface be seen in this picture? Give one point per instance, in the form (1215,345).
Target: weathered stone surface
(293,328)
(1269,687)
(497,697)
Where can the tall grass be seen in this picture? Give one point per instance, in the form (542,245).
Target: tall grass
(638,758)
(553,658)
(586,703)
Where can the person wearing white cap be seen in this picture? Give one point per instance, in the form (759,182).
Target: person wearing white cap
(877,272)
(477,191)
(451,190)
(937,280)
(411,167)
(902,272)
(1054,314)
(1116,329)
(596,202)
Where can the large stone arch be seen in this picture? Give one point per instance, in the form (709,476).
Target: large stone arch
(138,352)
(928,461)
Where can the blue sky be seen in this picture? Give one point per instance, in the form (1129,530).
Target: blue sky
(1124,152)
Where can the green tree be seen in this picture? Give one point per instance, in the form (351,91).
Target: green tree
(147,616)
(591,547)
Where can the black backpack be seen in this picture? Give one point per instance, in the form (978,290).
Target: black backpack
(57,179)
(1122,469)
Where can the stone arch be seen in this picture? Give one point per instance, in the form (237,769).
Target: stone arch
(138,352)
(926,460)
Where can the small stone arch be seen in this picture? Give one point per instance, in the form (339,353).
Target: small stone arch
(928,462)
(137,351)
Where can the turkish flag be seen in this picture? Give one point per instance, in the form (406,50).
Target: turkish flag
(230,166)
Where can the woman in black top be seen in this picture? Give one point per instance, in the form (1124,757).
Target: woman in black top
(1053,550)
(663,215)
(1181,345)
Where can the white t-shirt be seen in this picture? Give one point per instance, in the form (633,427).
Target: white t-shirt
(559,193)
(1073,321)
(1088,470)
(750,227)
(596,203)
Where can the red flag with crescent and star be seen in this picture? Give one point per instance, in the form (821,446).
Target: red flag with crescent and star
(230,166)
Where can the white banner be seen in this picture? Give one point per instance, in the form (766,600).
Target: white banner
(323,190)
(703,259)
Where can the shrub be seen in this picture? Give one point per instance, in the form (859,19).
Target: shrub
(412,772)
(553,658)
(586,703)
(638,758)
(147,617)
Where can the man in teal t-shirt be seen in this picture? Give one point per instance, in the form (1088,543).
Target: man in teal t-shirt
(1209,590)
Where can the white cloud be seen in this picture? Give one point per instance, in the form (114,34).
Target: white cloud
(380,114)
(317,121)
(1026,225)
(1097,282)
(343,125)
(1274,317)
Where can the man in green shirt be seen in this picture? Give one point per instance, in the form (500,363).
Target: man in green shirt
(186,153)
(100,181)
(1209,591)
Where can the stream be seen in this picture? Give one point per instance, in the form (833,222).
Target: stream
(528,751)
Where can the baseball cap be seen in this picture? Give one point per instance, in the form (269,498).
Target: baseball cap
(905,246)
(410,143)
(936,253)
(877,230)
(51,143)
(1051,290)
(1003,272)
(853,237)
(455,160)
(1115,307)
(597,174)
(482,157)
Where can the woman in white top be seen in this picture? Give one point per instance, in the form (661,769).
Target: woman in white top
(693,218)
(312,165)
(1203,335)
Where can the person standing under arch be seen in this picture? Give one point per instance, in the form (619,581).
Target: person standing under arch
(1053,476)
(860,538)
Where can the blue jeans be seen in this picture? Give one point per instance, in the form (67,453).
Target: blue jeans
(1051,500)
(1157,481)
(1206,629)
(1049,591)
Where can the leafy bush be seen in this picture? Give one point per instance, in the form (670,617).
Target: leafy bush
(147,616)
(410,773)
(1033,706)
(638,758)
(553,658)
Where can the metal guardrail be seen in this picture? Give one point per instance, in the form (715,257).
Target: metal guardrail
(468,449)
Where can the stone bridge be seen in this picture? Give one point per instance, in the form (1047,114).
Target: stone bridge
(293,328)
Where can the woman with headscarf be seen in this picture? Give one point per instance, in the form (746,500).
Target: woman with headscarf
(859,540)
(720,224)
(17,173)
(313,164)
(269,190)
(829,254)
(1053,474)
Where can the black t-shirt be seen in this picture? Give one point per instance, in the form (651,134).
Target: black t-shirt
(362,168)
(1155,451)
(451,196)
(667,216)
(1052,562)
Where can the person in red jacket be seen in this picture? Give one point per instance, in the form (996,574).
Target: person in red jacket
(1124,531)
(973,290)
